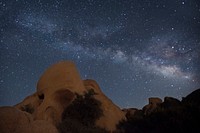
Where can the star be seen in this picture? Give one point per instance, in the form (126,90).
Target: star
(134,50)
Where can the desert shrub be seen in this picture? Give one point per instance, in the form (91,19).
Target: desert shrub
(81,115)
(28,108)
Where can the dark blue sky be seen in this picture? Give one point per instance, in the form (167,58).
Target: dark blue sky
(134,49)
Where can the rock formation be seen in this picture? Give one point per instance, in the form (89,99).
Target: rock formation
(112,114)
(171,115)
(56,90)
(153,104)
(193,98)
(64,103)
(130,113)
(16,121)
(170,102)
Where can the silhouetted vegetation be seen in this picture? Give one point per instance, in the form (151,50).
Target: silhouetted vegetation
(28,108)
(81,115)
(169,117)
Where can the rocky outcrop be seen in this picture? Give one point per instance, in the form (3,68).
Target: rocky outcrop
(130,113)
(170,102)
(57,88)
(154,102)
(192,99)
(171,115)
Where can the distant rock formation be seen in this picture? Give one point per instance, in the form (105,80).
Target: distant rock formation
(171,115)
(57,88)
(170,103)
(153,104)
(193,98)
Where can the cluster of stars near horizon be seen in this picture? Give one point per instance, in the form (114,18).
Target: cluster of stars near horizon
(133,49)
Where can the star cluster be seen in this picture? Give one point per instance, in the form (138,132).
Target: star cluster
(134,49)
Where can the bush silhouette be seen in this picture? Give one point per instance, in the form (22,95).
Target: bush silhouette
(28,108)
(81,115)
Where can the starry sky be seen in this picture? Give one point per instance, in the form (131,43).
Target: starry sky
(134,49)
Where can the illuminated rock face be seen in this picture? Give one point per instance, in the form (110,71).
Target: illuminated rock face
(16,121)
(61,75)
(111,113)
(56,89)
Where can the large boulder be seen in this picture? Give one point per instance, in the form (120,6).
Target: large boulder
(170,103)
(56,90)
(16,121)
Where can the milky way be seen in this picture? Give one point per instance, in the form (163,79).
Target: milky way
(134,49)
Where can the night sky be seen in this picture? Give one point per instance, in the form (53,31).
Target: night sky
(134,49)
